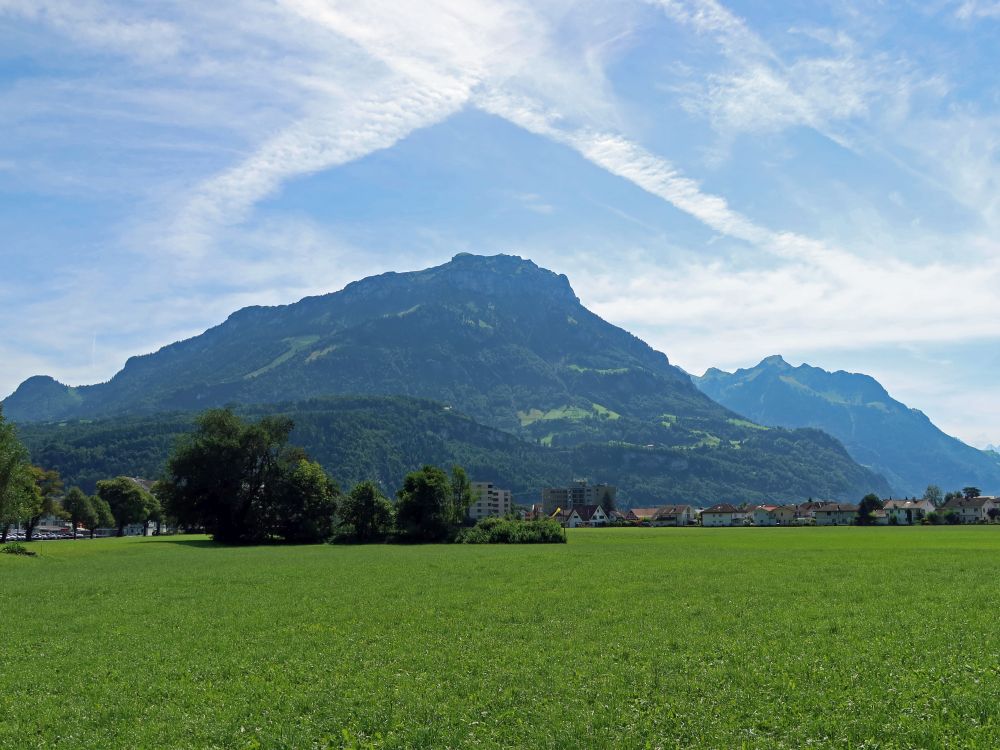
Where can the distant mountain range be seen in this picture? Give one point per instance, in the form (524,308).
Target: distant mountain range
(497,339)
(898,442)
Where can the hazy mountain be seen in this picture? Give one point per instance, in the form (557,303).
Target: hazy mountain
(496,338)
(879,432)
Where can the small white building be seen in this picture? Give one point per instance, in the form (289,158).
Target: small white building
(773,515)
(673,515)
(724,514)
(973,510)
(586,515)
(489,500)
(835,514)
(907,512)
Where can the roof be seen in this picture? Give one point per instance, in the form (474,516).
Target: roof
(645,512)
(672,510)
(975,502)
(586,512)
(836,508)
(904,504)
(722,508)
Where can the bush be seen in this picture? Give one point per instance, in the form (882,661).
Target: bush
(513,531)
(13,548)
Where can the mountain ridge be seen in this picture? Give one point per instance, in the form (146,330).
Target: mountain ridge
(891,438)
(497,338)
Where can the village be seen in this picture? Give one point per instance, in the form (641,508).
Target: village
(593,505)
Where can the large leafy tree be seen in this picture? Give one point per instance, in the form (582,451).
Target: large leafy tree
(103,517)
(869,504)
(43,500)
(16,485)
(431,505)
(127,500)
(80,508)
(366,511)
(971,493)
(243,483)
(933,494)
(306,503)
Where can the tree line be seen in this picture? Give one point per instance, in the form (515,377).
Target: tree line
(243,482)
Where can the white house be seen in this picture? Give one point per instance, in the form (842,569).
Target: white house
(974,510)
(586,515)
(673,515)
(835,514)
(907,512)
(773,515)
(724,514)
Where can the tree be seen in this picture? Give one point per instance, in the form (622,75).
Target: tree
(306,504)
(15,481)
(934,495)
(461,495)
(80,509)
(44,500)
(869,504)
(426,508)
(128,502)
(971,493)
(103,517)
(993,513)
(243,483)
(367,511)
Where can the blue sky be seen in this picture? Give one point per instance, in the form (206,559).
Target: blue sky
(728,181)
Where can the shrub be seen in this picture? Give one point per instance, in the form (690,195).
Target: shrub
(513,531)
(13,548)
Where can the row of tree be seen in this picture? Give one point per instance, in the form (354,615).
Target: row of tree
(243,483)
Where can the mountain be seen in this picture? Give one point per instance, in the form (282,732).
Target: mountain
(898,442)
(495,338)
(993,448)
(383,438)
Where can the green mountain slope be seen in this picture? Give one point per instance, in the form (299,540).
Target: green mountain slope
(496,338)
(900,443)
(364,437)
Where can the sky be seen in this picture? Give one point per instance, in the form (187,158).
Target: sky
(728,181)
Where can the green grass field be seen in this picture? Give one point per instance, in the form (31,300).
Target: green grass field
(644,638)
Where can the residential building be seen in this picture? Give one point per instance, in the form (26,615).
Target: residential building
(585,515)
(579,493)
(773,515)
(724,514)
(907,512)
(674,515)
(642,515)
(974,510)
(489,500)
(835,514)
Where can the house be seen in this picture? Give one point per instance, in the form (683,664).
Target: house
(489,500)
(973,510)
(724,514)
(578,493)
(773,515)
(835,514)
(907,512)
(642,515)
(585,515)
(673,515)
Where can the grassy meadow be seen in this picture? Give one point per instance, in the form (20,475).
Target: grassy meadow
(631,638)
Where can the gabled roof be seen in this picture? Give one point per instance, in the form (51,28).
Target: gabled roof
(905,504)
(722,508)
(644,512)
(672,510)
(836,507)
(976,502)
(586,512)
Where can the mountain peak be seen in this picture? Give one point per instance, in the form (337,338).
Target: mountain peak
(775,361)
